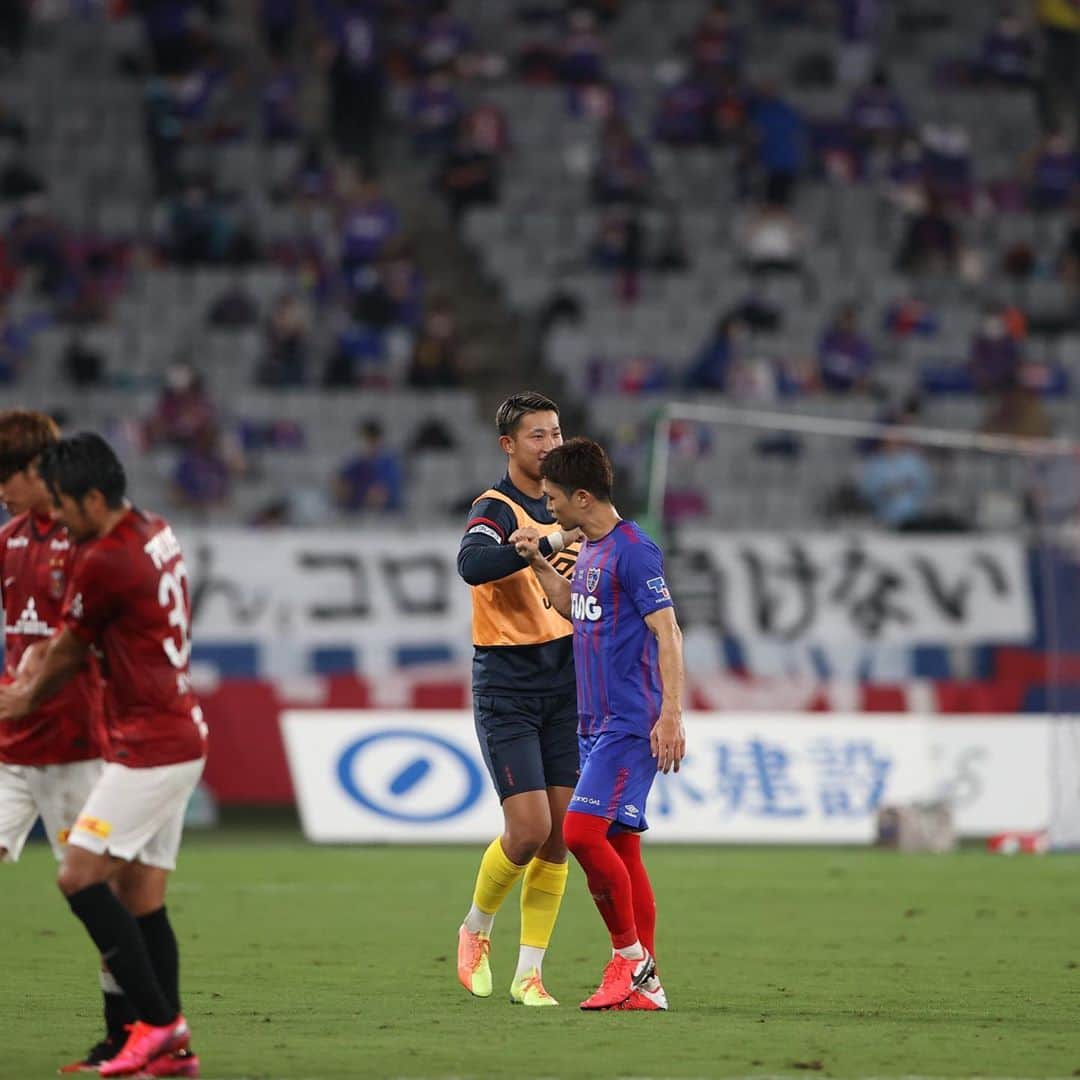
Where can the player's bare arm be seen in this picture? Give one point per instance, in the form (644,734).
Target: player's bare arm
(668,736)
(527,544)
(65,656)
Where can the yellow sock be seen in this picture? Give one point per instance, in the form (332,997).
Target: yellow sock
(496,878)
(541,896)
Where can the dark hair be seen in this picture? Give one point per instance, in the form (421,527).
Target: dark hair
(23,436)
(83,463)
(517,405)
(580,465)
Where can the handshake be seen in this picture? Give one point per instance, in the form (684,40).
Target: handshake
(527,541)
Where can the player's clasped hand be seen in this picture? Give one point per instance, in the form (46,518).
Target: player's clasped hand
(668,741)
(13,704)
(526,541)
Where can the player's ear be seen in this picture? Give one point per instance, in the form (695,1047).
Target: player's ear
(506,442)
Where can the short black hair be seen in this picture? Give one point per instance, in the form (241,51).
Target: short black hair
(580,465)
(82,463)
(516,406)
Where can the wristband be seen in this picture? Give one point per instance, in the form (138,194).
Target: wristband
(556,541)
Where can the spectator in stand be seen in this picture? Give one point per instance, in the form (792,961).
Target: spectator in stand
(368,222)
(931,244)
(436,360)
(1060,90)
(1018,412)
(359,360)
(845,357)
(619,246)
(183,409)
(876,114)
(860,25)
(371,479)
(202,479)
(487,129)
(278,22)
(947,160)
(39,243)
(712,366)
(581,51)
(779,137)
(442,41)
(198,230)
(683,116)
(896,482)
(83,365)
(623,172)
(287,331)
(391,292)
(281,104)
(1053,172)
(1007,56)
(906,184)
(434,113)
(469,176)
(717,47)
(356,79)
(14,346)
(996,355)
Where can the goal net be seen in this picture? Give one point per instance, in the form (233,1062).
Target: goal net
(900,560)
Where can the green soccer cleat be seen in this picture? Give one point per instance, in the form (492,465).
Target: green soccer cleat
(473,970)
(529,989)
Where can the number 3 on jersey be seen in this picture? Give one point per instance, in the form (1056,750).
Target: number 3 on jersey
(172,594)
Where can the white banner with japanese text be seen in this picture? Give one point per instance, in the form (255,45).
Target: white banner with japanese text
(419,777)
(377,591)
(854,589)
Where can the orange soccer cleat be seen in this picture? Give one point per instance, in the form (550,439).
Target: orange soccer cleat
(144,1043)
(473,969)
(621,978)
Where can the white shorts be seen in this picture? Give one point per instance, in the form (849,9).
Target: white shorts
(138,813)
(55,792)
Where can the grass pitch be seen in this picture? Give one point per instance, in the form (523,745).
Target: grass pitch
(305,963)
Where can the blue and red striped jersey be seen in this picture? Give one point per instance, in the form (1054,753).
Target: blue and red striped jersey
(618,581)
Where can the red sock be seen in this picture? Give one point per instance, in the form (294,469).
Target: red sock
(628,847)
(586,836)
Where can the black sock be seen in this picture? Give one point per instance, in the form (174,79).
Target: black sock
(160,941)
(116,934)
(118,1014)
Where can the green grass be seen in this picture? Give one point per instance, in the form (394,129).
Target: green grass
(304,962)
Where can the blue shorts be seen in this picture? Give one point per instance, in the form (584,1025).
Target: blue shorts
(617,773)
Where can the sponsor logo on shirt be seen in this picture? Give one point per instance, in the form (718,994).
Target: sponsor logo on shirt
(30,622)
(630,808)
(585,607)
(60,545)
(94,826)
(18,542)
(658,585)
(587,800)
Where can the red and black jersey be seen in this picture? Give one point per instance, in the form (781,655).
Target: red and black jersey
(129,598)
(36,560)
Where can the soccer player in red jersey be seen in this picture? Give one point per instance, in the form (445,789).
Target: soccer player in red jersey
(50,760)
(128,599)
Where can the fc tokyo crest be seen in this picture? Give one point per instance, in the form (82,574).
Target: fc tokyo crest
(592,578)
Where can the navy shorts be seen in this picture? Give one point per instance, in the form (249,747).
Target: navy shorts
(617,773)
(528,743)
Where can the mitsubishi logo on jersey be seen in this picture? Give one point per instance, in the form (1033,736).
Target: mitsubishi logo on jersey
(30,623)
